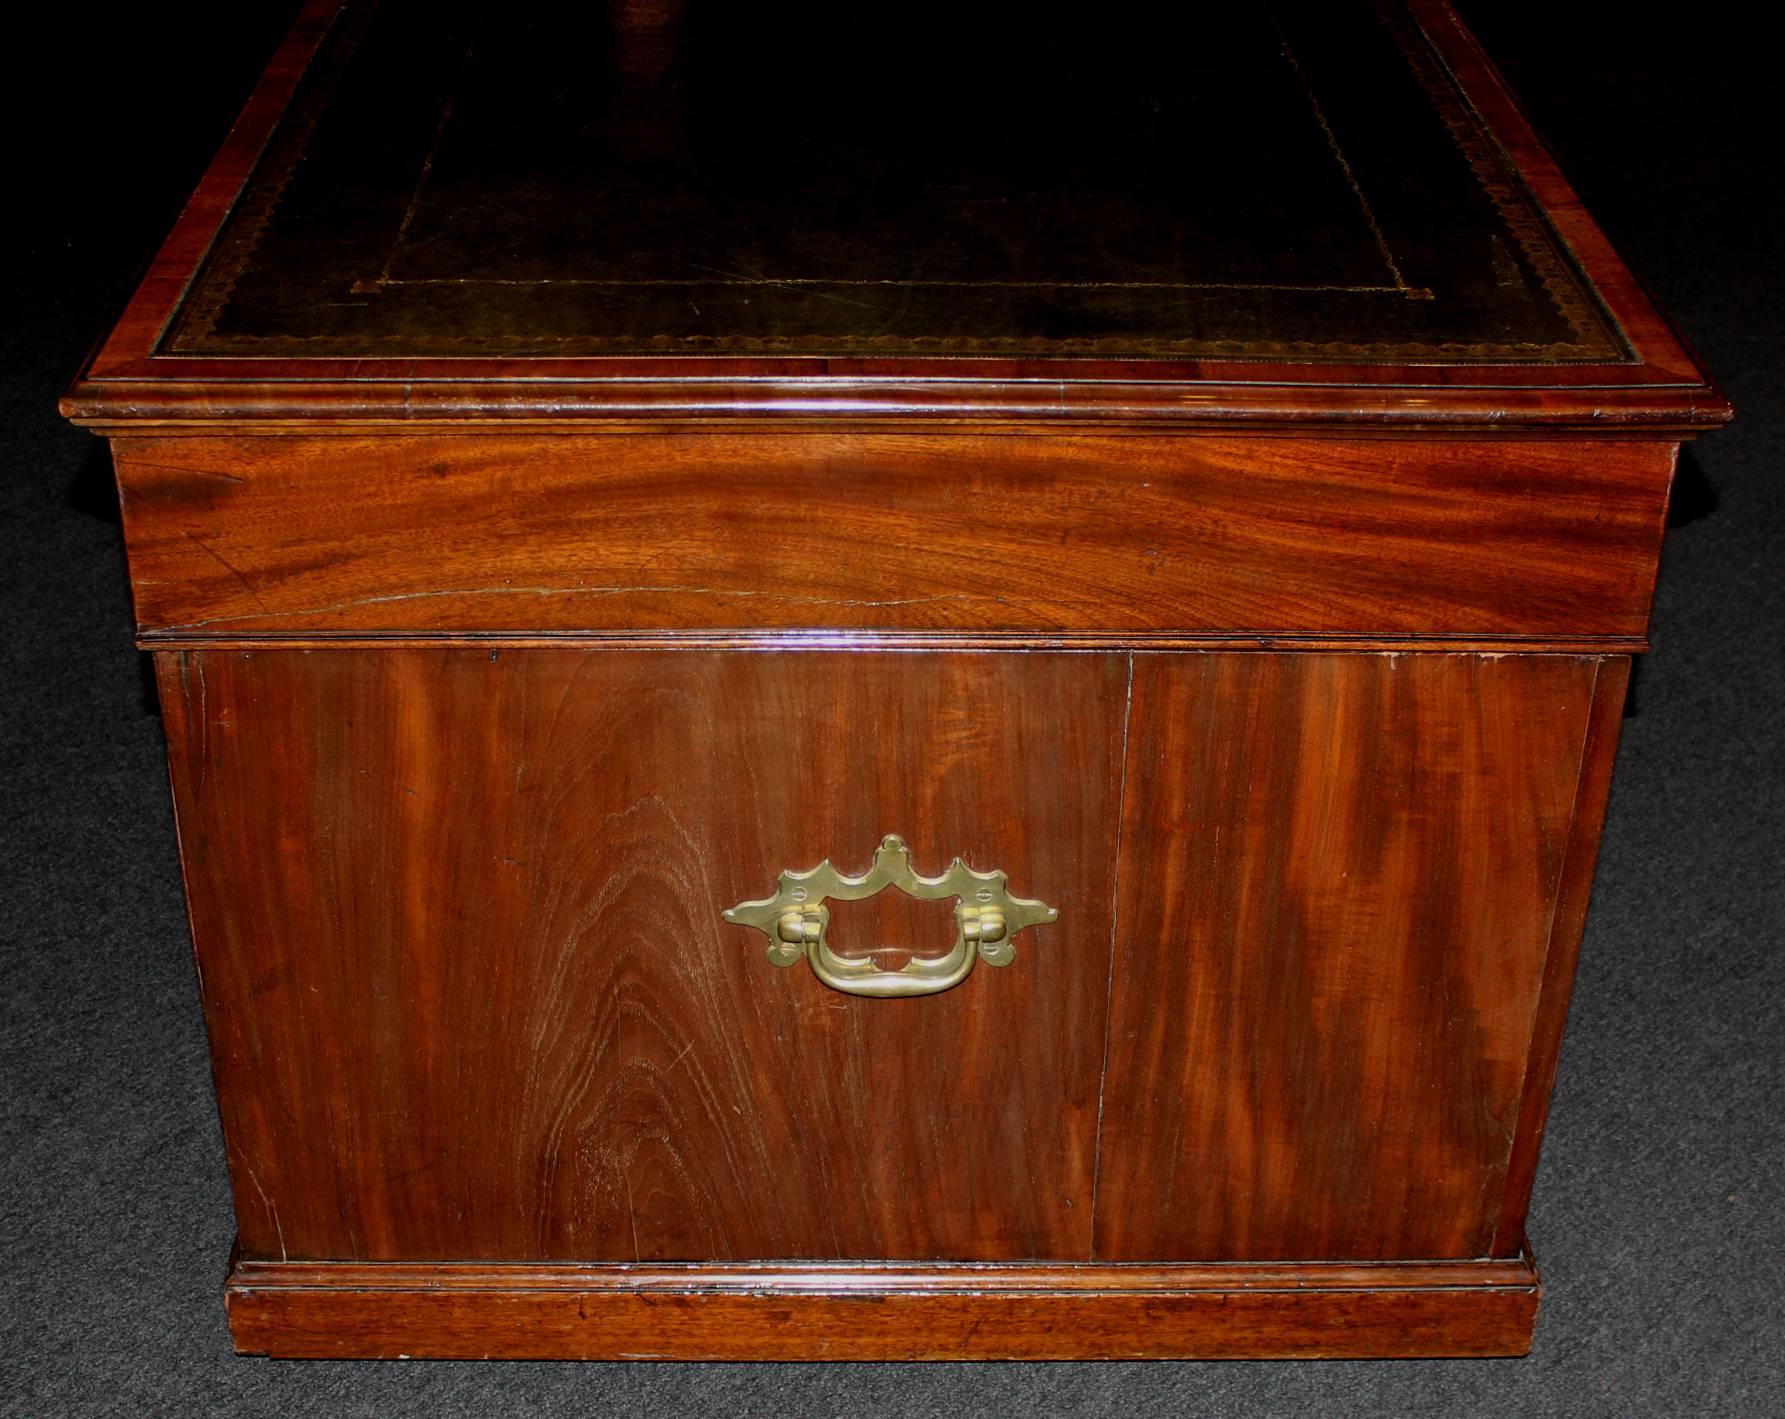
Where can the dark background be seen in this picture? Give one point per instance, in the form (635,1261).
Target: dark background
(1658,1217)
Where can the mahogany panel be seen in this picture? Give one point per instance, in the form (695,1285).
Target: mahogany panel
(1128,535)
(1564,948)
(1338,881)
(861,1313)
(457,922)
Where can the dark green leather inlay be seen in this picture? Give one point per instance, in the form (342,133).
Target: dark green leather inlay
(714,178)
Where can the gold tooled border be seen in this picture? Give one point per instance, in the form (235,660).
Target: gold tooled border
(246,222)
(193,329)
(1542,244)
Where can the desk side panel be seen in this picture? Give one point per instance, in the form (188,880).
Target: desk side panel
(1339,879)
(470,996)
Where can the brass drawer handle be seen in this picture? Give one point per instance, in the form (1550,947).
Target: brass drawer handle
(986,917)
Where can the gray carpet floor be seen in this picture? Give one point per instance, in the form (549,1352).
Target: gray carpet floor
(1658,1215)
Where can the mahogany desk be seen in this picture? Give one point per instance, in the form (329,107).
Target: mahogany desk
(835,695)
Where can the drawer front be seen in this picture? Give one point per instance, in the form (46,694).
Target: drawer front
(1343,949)
(457,915)
(1075,535)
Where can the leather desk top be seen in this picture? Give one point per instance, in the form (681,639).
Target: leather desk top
(1205,205)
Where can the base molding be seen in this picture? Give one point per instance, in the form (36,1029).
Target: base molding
(882,1311)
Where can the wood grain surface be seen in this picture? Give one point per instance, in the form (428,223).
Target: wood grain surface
(457,921)
(1338,880)
(1121,536)
(1568,925)
(863,1313)
(470,998)
(481,703)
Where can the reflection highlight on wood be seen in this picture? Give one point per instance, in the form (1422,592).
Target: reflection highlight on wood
(1339,879)
(1118,536)
(481,1003)
(864,1313)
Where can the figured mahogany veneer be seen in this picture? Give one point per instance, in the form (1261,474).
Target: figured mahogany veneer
(698,533)
(504,871)
(1218,484)
(1310,1312)
(1342,874)
(1320,1002)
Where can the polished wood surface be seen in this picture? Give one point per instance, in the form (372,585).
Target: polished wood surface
(451,534)
(470,996)
(507,630)
(863,1313)
(1338,881)
(1557,988)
